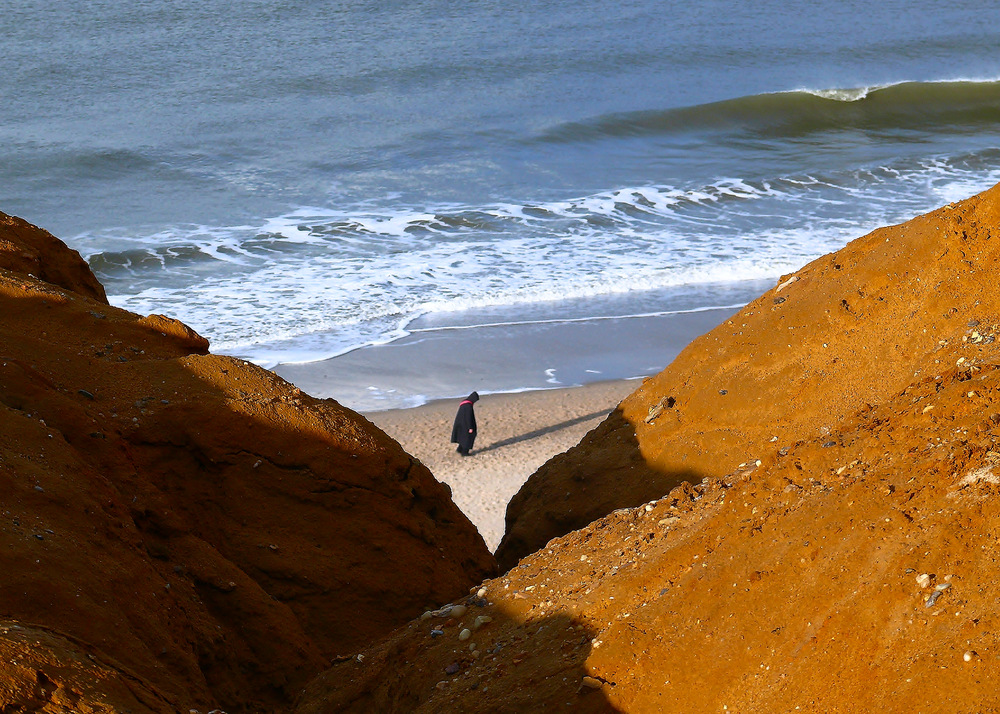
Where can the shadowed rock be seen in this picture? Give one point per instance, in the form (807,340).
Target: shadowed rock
(190,523)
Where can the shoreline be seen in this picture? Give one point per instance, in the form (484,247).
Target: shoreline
(517,433)
(440,362)
(542,384)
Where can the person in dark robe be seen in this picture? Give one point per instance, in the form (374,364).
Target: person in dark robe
(464,431)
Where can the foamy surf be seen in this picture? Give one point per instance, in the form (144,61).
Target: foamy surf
(314,282)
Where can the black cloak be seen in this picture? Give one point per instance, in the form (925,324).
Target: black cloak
(464,431)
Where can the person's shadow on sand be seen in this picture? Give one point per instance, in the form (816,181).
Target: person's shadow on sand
(541,432)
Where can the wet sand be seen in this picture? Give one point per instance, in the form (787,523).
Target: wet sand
(517,434)
(434,361)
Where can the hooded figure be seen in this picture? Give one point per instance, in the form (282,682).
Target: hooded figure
(464,431)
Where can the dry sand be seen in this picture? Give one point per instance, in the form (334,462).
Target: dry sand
(517,434)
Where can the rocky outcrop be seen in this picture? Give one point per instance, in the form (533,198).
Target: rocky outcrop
(837,555)
(182,530)
(31,251)
(848,330)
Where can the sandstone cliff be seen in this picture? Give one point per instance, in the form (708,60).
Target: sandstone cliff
(848,330)
(181,530)
(840,554)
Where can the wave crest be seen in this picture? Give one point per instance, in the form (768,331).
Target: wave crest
(930,106)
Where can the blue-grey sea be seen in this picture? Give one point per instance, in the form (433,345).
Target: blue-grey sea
(296,179)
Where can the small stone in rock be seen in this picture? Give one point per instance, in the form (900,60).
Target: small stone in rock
(458,610)
(969,655)
(437,633)
(591,683)
(923,580)
(481,620)
(465,634)
(451,668)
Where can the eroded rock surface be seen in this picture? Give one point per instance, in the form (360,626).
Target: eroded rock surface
(848,330)
(182,530)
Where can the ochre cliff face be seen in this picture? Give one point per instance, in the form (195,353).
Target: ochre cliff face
(182,530)
(839,555)
(29,250)
(851,572)
(846,331)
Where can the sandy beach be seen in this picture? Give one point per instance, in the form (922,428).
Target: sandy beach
(517,434)
(528,375)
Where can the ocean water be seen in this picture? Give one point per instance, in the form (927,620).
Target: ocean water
(299,179)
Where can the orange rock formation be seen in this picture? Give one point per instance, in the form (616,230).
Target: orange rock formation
(840,554)
(849,330)
(181,530)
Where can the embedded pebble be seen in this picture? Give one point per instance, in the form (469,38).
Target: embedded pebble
(969,655)
(924,580)
(427,615)
(481,593)
(480,621)
(451,668)
(465,634)
(437,633)
(933,598)
(591,683)
(458,611)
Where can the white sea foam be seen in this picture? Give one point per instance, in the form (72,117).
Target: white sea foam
(855,94)
(318,282)
(844,95)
